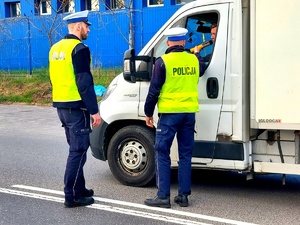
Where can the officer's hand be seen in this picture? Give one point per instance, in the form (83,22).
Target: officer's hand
(149,121)
(96,120)
(196,49)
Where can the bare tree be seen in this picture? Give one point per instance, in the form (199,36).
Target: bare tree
(49,23)
(6,33)
(120,4)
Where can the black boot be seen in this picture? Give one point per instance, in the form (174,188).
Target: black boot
(87,193)
(84,201)
(158,202)
(181,200)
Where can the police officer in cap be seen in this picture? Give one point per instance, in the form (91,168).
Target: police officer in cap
(75,99)
(174,88)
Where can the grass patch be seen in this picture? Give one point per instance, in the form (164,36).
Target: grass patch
(19,87)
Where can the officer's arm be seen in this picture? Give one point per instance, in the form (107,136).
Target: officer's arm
(202,65)
(84,78)
(157,81)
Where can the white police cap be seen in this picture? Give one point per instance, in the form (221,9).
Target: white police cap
(78,17)
(176,34)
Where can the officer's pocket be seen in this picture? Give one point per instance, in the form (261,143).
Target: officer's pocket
(81,139)
(82,131)
(161,138)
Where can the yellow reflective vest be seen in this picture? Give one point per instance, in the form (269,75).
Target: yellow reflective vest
(62,76)
(179,94)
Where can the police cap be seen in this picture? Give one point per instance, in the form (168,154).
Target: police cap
(176,34)
(78,17)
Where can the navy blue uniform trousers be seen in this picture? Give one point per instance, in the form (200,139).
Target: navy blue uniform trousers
(169,124)
(76,123)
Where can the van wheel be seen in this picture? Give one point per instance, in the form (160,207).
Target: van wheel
(130,155)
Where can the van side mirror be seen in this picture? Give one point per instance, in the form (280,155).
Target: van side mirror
(144,71)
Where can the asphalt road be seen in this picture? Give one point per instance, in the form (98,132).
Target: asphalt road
(33,153)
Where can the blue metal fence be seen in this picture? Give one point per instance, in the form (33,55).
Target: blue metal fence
(25,41)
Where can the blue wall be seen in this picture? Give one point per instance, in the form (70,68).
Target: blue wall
(25,44)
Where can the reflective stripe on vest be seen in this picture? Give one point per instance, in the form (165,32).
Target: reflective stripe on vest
(180,90)
(62,76)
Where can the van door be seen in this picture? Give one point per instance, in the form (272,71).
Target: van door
(214,147)
(211,87)
(212,120)
(198,21)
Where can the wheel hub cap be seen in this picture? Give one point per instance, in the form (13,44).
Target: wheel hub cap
(133,156)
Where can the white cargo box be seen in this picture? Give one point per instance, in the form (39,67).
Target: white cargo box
(275,64)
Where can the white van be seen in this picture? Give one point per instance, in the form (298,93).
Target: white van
(249,95)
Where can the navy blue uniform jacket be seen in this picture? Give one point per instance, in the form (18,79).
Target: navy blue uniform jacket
(159,77)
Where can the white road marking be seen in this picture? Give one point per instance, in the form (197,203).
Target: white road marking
(173,220)
(135,205)
(38,189)
(31,195)
(146,215)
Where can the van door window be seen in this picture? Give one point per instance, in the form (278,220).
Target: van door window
(200,28)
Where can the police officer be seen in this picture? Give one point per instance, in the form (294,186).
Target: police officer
(75,99)
(174,88)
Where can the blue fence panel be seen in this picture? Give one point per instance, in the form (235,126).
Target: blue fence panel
(108,38)
(14,44)
(26,41)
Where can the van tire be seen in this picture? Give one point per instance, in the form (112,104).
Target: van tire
(130,155)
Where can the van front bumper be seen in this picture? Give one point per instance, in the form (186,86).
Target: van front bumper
(97,141)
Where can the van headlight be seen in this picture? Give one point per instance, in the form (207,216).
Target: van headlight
(110,88)
(108,91)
